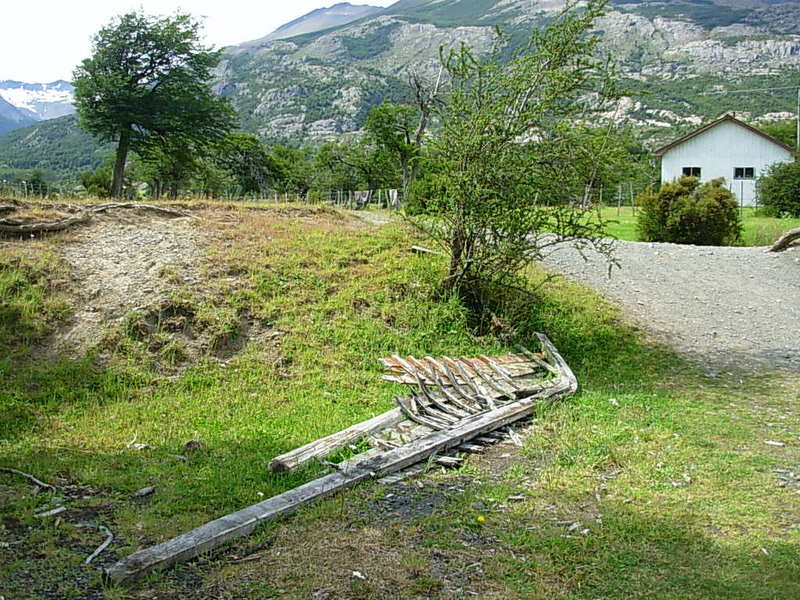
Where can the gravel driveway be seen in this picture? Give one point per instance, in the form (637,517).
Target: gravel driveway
(726,308)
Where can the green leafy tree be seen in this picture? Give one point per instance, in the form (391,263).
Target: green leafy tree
(779,190)
(513,166)
(98,182)
(243,158)
(146,84)
(783,131)
(293,169)
(395,129)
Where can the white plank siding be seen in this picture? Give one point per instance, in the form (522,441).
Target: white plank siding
(719,149)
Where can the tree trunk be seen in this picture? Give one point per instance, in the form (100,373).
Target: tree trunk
(119,165)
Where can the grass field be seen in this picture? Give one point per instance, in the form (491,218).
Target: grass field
(758,230)
(665,471)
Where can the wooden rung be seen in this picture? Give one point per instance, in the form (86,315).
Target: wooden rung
(486,441)
(471,448)
(449,461)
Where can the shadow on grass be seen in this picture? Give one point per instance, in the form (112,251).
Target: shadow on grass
(638,555)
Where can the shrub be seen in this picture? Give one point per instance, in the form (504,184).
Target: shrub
(779,190)
(685,212)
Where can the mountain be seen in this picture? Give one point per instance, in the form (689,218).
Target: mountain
(12,117)
(56,146)
(320,19)
(671,54)
(41,101)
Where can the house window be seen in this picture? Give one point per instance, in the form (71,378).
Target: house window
(744,173)
(691,171)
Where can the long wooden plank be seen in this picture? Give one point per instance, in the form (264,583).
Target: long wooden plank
(240,523)
(325,446)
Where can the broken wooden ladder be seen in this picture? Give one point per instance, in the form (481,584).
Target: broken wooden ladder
(452,402)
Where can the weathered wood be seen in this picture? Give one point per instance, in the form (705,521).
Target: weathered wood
(786,240)
(449,461)
(470,448)
(29,477)
(325,446)
(211,535)
(19,227)
(422,250)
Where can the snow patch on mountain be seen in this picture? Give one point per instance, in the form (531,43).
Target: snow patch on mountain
(41,101)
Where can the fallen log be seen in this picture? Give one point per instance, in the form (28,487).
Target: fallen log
(786,240)
(20,227)
(349,473)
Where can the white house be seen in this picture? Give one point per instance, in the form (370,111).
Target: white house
(725,148)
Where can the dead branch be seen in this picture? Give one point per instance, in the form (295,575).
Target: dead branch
(29,477)
(20,227)
(786,240)
(101,547)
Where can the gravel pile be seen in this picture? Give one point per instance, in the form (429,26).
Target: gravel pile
(726,308)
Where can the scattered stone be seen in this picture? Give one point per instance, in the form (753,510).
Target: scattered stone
(144,492)
(194,446)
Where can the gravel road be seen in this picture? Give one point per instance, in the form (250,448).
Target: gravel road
(726,308)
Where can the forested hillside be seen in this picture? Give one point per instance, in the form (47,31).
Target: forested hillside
(57,147)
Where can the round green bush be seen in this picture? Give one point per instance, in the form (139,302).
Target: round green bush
(685,212)
(779,190)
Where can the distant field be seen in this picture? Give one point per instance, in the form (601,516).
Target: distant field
(758,231)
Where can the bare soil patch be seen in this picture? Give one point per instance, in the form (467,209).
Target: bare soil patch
(125,262)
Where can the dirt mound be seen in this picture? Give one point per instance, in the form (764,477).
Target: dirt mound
(125,262)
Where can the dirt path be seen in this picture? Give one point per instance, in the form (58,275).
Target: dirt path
(727,308)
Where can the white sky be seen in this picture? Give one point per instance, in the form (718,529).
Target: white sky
(43,40)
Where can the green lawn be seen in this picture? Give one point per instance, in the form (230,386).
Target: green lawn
(666,471)
(758,230)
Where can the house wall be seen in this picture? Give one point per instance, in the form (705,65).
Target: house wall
(718,151)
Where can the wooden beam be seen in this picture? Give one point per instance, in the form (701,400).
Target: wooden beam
(243,522)
(325,446)
(786,240)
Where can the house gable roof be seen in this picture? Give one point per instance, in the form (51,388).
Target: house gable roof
(662,151)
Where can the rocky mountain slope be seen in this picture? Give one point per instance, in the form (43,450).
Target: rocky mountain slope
(320,19)
(39,101)
(12,117)
(674,55)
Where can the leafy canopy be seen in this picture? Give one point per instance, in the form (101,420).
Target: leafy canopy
(146,86)
(779,190)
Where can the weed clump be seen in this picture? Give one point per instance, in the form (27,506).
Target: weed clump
(686,212)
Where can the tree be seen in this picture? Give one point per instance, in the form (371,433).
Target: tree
(393,128)
(779,190)
(146,84)
(245,160)
(783,131)
(513,166)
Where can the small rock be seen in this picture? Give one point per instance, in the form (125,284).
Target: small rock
(145,491)
(359,575)
(194,446)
